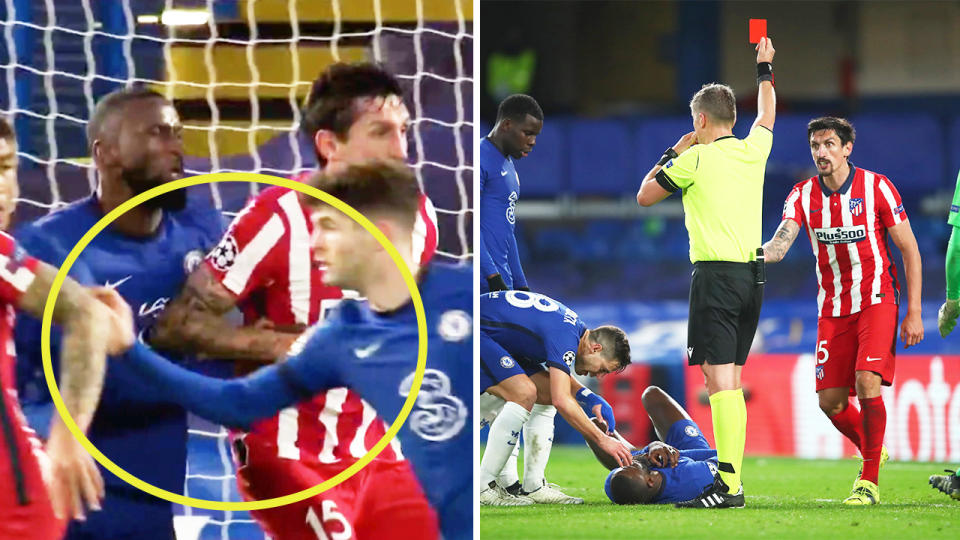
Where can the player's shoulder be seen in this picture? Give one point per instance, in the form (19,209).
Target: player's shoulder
(445,280)
(862,174)
(200,213)
(490,157)
(62,226)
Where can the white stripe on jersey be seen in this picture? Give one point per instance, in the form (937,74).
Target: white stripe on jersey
(247,260)
(358,447)
(826,215)
(789,207)
(856,270)
(288,426)
(19,280)
(891,201)
(333,406)
(868,187)
(805,205)
(299,257)
(420,230)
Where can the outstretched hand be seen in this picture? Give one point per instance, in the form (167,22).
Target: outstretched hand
(122,333)
(74,481)
(765,50)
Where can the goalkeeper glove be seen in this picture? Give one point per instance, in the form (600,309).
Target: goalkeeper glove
(589,400)
(496,283)
(947,316)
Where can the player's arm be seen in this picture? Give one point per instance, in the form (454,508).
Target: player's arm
(488,269)
(766,96)
(597,406)
(91,330)
(658,184)
(776,248)
(519,280)
(568,408)
(947,316)
(194,322)
(911,330)
(604,458)
(242,401)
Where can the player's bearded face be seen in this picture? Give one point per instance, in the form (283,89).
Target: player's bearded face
(379,131)
(151,150)
(828,152)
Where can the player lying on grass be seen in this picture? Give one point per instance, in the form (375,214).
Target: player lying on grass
(679,467)
(529,343)
(369,346)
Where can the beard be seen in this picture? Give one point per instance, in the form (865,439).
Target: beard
(140,181)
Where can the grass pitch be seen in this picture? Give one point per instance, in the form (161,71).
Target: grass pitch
(786,498)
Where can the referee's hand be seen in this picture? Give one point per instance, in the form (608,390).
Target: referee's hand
(911,330)
(685,142)
(765,50)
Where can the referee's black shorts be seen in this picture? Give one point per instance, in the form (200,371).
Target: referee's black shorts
(724,311)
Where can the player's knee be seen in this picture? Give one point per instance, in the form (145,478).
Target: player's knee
(868,384)
(830,406)
(651,395)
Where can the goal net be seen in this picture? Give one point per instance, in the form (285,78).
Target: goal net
(238,72)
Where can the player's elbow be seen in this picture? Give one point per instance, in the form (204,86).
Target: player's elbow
(645,200)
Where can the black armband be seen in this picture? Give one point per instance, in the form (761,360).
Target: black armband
(665,182)
(668,154)
(765,72)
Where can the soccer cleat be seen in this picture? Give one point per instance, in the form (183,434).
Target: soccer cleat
(864,493)
(947,483)
(884,456)
(515,488)
(716,496)
(551,494)
(495,495)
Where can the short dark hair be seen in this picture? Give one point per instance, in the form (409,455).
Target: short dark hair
(115,102)
(518,106)
(6,130)
(716,101)
(330,105)
(615,344)
(625,489)
(373,187)
(841,126)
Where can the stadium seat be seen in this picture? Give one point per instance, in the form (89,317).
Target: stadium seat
(653,135)
(601,158)
(888,142)
(545,173)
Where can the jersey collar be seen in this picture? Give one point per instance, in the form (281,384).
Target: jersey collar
(846,184)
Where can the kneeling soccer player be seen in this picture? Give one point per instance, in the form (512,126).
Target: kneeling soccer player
(529,343)
(678,469)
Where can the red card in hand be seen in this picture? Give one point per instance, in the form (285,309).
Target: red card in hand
(758,29)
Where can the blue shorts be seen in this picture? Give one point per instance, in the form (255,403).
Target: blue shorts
(496,364)
(686,435)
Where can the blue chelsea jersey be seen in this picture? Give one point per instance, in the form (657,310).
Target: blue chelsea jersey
(374,354)
(147,272)
(499,193)
(532,327)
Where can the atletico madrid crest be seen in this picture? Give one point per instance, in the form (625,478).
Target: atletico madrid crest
(856,206)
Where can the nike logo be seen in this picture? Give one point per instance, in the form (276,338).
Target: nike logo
(815,210)
(365,352)
(503,173)
(116,284)
(873,359)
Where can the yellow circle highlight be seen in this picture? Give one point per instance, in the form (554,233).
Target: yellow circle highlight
(222,505)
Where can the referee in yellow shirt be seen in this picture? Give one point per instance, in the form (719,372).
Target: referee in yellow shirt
(722,182)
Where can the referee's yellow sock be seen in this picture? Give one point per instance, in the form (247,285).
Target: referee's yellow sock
(730,433)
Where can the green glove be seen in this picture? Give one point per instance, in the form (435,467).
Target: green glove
(947,316)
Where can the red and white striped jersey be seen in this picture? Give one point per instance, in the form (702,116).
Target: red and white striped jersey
(265,260)
(19,442)
(848,234)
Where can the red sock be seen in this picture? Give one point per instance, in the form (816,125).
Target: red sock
(874,415)
(849,422)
